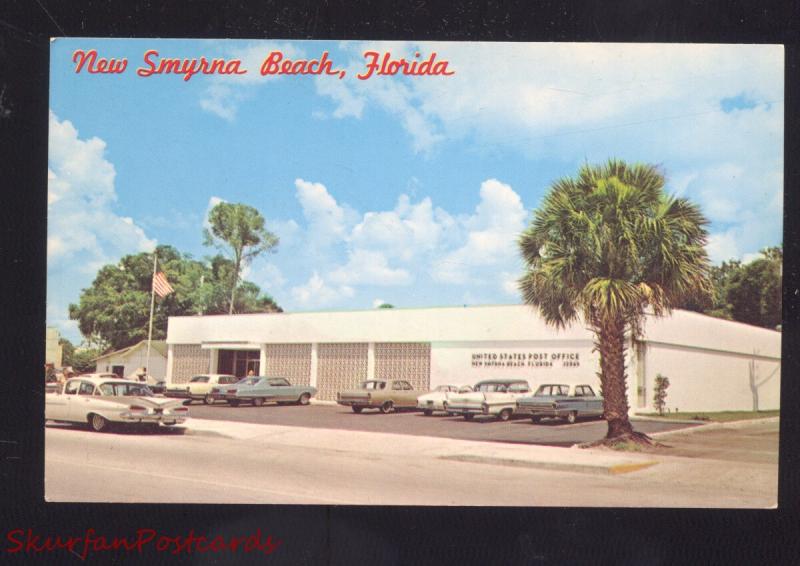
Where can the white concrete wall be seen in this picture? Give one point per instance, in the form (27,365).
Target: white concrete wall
(490,323)
(702,380)
(546,361)
(706,359)
(137,359)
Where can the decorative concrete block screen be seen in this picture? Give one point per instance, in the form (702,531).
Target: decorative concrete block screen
(292,361)
(340,367)
(409,361)
(188,360)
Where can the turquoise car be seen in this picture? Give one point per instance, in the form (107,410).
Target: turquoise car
(559,401)
(259,390)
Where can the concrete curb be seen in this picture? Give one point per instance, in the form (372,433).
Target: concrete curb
(662,420)
(313,401)
(612,469)
(715,426)
(368,445)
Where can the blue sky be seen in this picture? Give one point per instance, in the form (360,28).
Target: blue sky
(408,190)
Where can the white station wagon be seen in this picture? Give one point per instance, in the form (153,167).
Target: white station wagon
(101,400)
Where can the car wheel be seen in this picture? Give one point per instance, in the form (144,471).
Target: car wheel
(504,415)
(427,412)
(536,420)
(258,402)
(304,398)
(234,403)
(208,400)
(572,416)
(98,423)
(387,407)
(468,416)
(357,409)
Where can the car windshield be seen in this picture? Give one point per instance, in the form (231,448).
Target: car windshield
(445,388)
(373,384)
(125,390)
(199,379)
(248,381)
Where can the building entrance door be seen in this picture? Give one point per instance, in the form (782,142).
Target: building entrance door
(239,362)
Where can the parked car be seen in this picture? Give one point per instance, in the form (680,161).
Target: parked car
(259,390)
(436,400)
(100,401)
(496,397)
(158,386)
(200,386)
(384,394)
(561,401)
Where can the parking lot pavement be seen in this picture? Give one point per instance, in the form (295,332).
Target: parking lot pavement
(518,431)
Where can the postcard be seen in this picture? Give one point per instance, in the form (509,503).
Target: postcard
(414,273)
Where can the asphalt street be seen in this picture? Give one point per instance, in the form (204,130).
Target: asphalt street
(518,431)
(720,468)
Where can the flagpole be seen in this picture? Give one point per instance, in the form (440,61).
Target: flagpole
(152,305)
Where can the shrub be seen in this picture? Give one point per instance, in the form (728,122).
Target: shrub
(660,397)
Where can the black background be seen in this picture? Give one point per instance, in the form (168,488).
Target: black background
(368,535)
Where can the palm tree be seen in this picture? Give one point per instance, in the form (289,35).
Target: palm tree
(609,246)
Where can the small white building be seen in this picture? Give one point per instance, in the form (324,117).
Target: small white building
(53,350)
(126,361)
(712,364)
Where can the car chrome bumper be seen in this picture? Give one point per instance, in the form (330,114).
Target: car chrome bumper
(152,418)
(351,402)
(177,394)
(535,411)
(466,409)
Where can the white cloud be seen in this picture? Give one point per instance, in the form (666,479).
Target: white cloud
(368,267)
(266,275)
(81,218)
(316,293)
(722,246)
(566,102)
(405,232)
(84,231)
(225,93)
(491,235)
(516,90)
(509,284)
(220,99)
(327,221)
(377,302)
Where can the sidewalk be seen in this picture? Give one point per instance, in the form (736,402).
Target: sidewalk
(372,444)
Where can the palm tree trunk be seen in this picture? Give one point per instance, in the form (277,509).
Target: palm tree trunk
(611,343)
(237,265)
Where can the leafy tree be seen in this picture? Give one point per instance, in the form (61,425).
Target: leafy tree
(754,291)
(67,351)
(239,229)
(84,360)
(386,306)
(114,312)
(605,246)
(749,293)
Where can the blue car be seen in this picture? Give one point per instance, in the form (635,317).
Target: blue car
(559,401)
(259,390)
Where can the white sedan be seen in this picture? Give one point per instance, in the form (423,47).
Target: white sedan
(200,386)
(437,399)
(102,400)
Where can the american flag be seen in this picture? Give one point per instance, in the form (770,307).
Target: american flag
(161,286)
